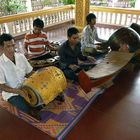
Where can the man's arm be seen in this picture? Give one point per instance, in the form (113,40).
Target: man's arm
(25,43)
(84,58)
(29,74)
(28,68)
(4,87)
(97,37)
(52,48)
(25,47)
(80,55)
(63,61)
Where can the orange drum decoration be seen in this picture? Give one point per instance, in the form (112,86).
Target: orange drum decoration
(44,85)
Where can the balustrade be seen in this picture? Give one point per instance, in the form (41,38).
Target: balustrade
(22,23)
(116,16)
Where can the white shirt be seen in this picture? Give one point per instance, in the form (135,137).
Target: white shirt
(12,74)
(89,36)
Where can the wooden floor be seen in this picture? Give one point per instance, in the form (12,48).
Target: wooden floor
(60,35)
(115,115)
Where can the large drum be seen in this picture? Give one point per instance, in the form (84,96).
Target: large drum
(135,27)
(113,62)
(44,85)
(125,35)
(104,71)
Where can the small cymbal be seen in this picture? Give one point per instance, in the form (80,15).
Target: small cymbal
(57,57)
(50,60)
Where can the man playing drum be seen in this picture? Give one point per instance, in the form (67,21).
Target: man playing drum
(14,68)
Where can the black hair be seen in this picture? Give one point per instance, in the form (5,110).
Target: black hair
(5,37)
(71,31)
(38,23)
(89,17)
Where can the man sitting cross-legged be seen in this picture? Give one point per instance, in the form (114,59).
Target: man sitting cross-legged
(36,41)
(70,54)
(14,68)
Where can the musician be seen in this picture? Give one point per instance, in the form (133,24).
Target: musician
(89,36)
(14,68)
(70,53)
(36,41)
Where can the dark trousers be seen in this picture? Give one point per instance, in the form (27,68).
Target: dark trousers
(20,103)
(73,75)
(70,74)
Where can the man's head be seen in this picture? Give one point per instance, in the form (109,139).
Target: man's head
(91,19)
(73,36)
(38,25)
(7,44)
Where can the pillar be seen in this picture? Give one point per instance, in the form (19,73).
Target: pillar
(82,9)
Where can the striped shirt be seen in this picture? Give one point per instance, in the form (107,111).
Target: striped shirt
(36,43)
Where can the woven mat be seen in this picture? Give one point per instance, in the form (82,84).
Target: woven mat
(58,119)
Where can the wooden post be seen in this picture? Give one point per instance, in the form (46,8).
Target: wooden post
(82,9)
(29,5)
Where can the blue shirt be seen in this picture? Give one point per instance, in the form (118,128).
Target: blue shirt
(70,56)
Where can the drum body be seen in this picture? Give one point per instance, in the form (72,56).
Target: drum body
(135,27)
(124,36)
(44,85)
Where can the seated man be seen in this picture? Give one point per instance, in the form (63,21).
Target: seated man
(70,53)
(14,68)
(36,41)
(89,35)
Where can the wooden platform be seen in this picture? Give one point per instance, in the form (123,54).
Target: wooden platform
(113,116)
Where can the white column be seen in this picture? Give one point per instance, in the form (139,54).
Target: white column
(29,5)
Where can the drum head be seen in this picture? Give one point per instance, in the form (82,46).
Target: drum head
(32,98)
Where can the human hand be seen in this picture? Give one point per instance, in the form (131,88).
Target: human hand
(24,93)
(91,59)
(99,47)
(124,48)
(73,67)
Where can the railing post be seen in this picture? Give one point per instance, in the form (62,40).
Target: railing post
(82,9)
(29,5)
(9,27)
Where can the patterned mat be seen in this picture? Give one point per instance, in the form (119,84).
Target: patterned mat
(58,119)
